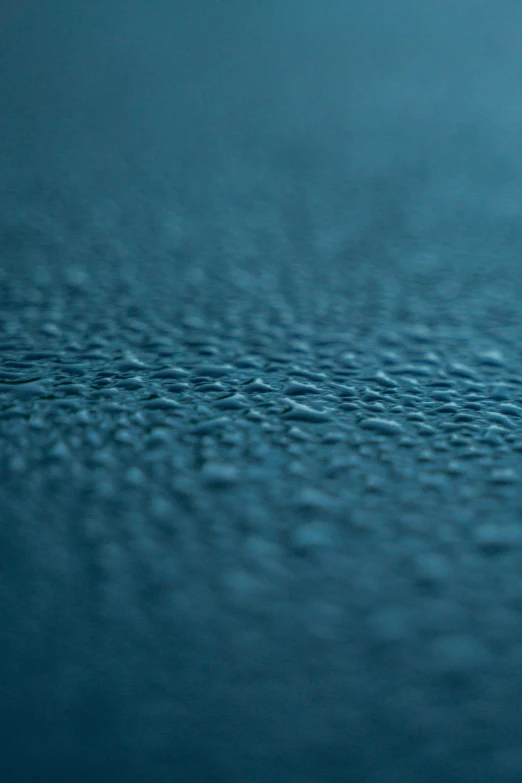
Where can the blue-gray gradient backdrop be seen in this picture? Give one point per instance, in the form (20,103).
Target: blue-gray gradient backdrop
(260,391)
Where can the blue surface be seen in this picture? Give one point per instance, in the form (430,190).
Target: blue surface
(260,393)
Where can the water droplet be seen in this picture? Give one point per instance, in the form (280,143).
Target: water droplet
(459,653)
(382,426)
(313,536)
(298,412)
(233,402)
(220,474)
(503,476)
(494,539)
(162,404)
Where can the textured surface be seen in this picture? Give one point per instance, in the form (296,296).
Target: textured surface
(261,423)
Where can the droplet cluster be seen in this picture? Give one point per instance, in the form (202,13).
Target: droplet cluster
(288,488)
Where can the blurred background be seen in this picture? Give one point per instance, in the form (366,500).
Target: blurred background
(373,84)
(144,72)
(405,116)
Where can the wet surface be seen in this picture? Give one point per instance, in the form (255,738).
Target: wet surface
(260,458)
